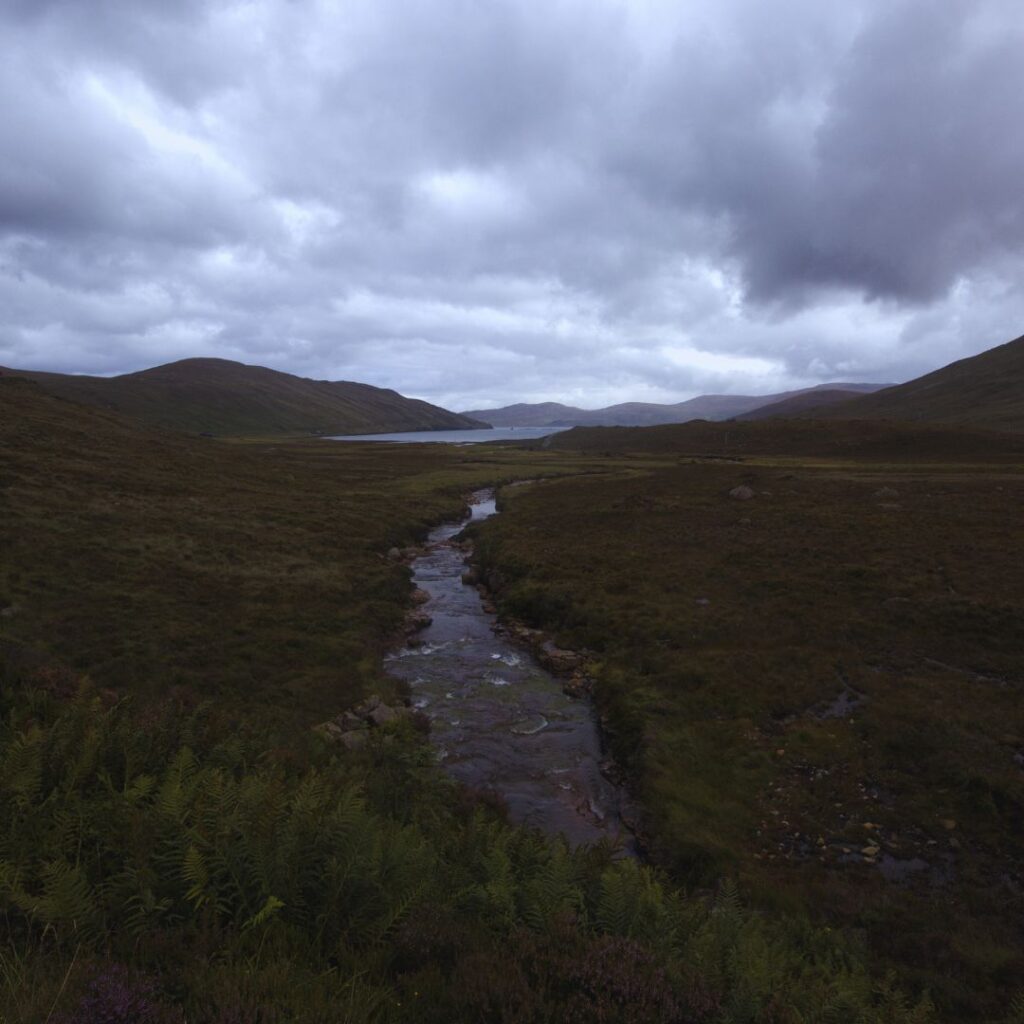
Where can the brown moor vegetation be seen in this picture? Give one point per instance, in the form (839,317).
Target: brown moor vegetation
(817,690)
(176,845)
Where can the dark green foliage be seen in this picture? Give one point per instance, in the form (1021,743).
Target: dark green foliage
(223,878)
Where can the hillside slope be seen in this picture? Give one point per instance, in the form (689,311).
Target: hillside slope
(796,405)
(218,396)
(985,391)
(251,572)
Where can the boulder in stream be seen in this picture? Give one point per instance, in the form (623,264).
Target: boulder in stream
(577,686)
(559,660)
(385,714)
(417,620)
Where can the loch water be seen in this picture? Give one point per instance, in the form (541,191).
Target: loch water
(488,436)
(500,722)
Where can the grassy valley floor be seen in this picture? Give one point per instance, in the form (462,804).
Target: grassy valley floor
(253,573)
(176,844)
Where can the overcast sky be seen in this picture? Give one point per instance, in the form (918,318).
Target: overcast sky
(485,201)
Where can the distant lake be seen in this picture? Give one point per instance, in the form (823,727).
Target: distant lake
(456,436)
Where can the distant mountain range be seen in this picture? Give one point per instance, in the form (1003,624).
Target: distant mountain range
(648,414)
(983,392)
(218,396)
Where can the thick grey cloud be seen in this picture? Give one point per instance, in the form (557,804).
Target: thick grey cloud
(477,202)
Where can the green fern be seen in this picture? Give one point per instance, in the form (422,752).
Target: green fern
(727,905)
(554,891)
(264,914)
(67,902)
(495,896)
(21,771)
(139,789)
(10,885)
(633,904)
(82,765)
(197,878)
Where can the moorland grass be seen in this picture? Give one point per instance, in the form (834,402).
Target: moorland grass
(253,573)
(176,844)
(721,633)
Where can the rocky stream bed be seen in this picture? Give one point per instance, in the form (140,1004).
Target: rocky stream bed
(501,721)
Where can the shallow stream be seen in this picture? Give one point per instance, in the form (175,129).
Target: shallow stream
(499,720)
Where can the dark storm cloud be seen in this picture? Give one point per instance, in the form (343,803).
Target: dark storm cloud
(919,160)
(481,202)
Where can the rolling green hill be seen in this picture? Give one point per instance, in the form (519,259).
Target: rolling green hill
(984,391)
(218,396)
